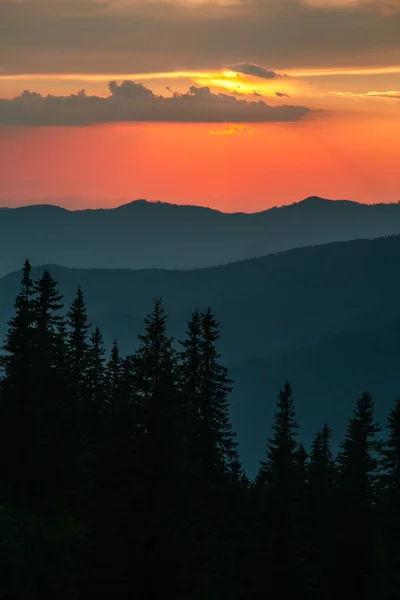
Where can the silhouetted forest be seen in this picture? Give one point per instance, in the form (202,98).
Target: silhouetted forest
(120,475)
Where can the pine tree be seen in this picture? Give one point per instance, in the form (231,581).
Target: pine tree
(301,459)
(358,459)
(48,303)
(216,478)
(78,327)
(390,499)
(190,362)
(278,470)
(96,373)
(50,395)
(160,442)
(279,537)
(320,517)
(217,440)
(16,390)
(321,472)
(114,377)
(17,362)
(358,465)
(391,452)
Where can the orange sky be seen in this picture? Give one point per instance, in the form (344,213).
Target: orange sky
(349,149)
(184,163)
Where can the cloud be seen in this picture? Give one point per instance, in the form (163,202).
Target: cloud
(388,95)
(130,101)
(282,95)
(160,35)
(254,70)
(236,129)
(386,7)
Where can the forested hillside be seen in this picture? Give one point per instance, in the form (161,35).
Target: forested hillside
(120,474)
(324,317)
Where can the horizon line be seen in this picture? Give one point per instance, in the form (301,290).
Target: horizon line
(50,202)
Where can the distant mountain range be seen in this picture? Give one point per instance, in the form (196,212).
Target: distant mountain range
(325,317)
(146,234)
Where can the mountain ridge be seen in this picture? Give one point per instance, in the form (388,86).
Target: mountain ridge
(143,202)
(167,236)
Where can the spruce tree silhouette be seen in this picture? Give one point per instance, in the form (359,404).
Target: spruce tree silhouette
(320,521)
(16,393)
(113,377)
(49,393)
(161,446)
(279,500)
(78,328)
(215,474)
(358,463)
(96,372)
(390,500)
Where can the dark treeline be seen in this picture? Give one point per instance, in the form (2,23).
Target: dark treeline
(120,476)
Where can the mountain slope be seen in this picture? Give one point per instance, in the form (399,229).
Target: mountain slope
(325,317)
(146,235)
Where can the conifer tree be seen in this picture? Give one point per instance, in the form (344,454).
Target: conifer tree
(17,361)
(321,472)
(49,392)
(114,377)
(217,439)
(390,501)
(48,303)
(190,362)
(358,463)
(96,372)
(78,347)
(278,470)
(279,538)
(216,478)
(320,517)
(358,459)
(391,452)
(301,459)
(17,404)
(160,442)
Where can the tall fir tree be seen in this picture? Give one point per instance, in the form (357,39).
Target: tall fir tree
(50,394)
(77,339)
(114,377)
(358,463)
(216,478)
(190,362)
(16,395)
(48,304)
(160,442)
(279,503)
(390,500)
(217,437)
(96,373)
(278,469)
(320,518)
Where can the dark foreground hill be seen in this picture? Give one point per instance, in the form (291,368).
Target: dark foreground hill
(325,317)
(146,235)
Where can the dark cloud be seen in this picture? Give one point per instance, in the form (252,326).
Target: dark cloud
(132,101)
(282,95)
(111,36)
(254,70)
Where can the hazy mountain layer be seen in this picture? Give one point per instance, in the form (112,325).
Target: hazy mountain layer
(147,235)
(325,317)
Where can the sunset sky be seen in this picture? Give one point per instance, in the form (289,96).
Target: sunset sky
(234,104)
